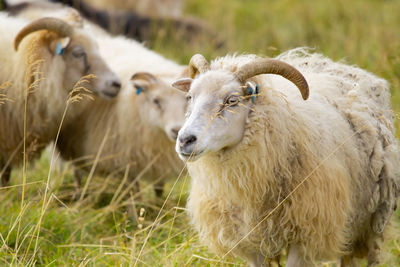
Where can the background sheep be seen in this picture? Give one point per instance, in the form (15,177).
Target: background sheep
(249,151)
(144,120)
(140,126)
(154,8)
(52,57)
(131,24)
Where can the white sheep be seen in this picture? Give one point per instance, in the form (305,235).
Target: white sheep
(142,123)
(51,57)
(270,171)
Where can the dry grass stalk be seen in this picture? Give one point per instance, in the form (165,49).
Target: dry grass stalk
(3,97)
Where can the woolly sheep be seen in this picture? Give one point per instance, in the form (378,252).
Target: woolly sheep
(143,121)
(270,171)
(51,58)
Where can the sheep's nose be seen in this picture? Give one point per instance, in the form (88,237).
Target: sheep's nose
(185,142)
(116,84)
(112,88)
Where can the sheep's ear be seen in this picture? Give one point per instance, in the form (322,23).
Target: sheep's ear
(183,84)
(59,45)
(142,81)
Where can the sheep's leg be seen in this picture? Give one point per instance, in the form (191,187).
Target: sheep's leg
(374,249)
(78,176)
(159,189)
(348,261)
(136,191)
(132,211)
(278,261)
(259,260)
(296,258)
(5,177)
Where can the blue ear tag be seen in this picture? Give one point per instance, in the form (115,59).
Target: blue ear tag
(138,90)
(59,49)
(257,89)
(252,93)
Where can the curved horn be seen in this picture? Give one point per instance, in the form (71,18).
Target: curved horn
(52,24)
(273,66)
(144,76)
(197,64)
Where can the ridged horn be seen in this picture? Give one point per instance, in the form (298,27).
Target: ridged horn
(197,64)
(273,66)
(52,24)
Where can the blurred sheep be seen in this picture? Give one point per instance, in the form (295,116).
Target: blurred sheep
(140,126)
(43,60)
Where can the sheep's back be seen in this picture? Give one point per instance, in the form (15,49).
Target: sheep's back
(363,100)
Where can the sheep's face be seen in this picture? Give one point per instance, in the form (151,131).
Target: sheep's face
(76,55)
(161,105)
(216,117)
(81,57)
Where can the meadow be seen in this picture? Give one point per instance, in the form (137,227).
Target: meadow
(42,225)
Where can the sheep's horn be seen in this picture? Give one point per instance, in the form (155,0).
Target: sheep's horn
(144,76)
(273,66)
(52,24)
(197,64)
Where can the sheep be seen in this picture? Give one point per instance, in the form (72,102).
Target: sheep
(154,8)
(51,57)
(143,27)
(144,119)
(319,178)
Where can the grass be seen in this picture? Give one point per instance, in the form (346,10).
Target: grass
(96,231)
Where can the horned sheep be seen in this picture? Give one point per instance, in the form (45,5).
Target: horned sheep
(51,58)
(319,178)
(140,126)
(142,123)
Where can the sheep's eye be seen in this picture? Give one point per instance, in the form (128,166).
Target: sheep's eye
(78,52)
(157,102)
(188,97)
(232,101)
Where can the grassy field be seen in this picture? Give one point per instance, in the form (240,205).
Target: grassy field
(50,229)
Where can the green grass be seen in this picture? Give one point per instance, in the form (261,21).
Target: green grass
(95,232)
